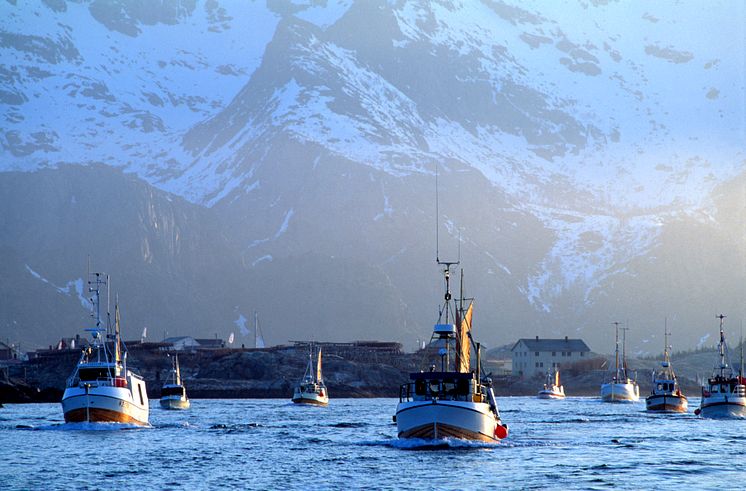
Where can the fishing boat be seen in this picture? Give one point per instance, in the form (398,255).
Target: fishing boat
(621,388)
(102,388)
(552,387)
(666,396)
(454,401)
(173,393)
(724,395)
(311,389)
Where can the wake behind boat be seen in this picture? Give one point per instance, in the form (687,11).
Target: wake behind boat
(173,393)
(552,387)
(724,396)
(666,396)
(621,388)
(102,388)
(455,401)
(311,389)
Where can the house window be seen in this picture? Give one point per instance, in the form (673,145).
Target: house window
(541,364)
(554,353)
(582,353)
(536,353)
(537,364)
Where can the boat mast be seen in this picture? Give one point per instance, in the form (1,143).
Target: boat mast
(94,286)
(616,350)
(624,353)
(447,274)
(721,346)
(665,342)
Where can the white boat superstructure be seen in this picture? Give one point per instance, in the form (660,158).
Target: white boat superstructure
(173,393)
(552,388)
(102,388)
(724,395)
(312,389)
(455,401)
(666,395)
(621,387)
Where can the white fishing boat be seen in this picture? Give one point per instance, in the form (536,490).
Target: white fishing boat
(724,395)
(311,390)
(552,387)
(102,388)
(173,393)
(621,387)
(666,396)
(454,401)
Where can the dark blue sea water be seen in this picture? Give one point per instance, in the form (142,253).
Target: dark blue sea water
(578,443)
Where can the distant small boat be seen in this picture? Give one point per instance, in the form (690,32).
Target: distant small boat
(552,387)
(621,388)
(311,390)
(724,395)
(173,393)
(666,396)
(102,388)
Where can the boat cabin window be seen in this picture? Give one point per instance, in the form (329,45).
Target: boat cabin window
(95,373)
(139,389)
(420,387)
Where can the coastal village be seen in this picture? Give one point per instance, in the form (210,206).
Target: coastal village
(213,368)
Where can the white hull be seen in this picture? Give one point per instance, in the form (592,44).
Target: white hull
(446,419)
(310,398)
(613,392)
(106,404)
(175,402)
(550,394)
(718,406)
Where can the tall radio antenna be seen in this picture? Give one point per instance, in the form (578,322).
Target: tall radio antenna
(437,219)
(448,264)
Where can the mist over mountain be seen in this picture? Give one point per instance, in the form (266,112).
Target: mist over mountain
(221,157)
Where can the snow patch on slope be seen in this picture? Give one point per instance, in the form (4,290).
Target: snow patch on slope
(72,286)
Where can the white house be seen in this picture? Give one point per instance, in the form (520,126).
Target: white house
(537,356)
(182,343)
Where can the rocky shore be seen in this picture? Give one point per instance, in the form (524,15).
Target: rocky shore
(272,373)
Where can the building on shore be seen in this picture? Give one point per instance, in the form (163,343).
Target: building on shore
(537,356)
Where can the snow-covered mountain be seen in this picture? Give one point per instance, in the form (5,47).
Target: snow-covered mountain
(578,146)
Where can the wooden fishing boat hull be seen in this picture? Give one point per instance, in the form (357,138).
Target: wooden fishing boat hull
(104,404)
(170,402)
(435,419)
(666,403)
(614,392)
